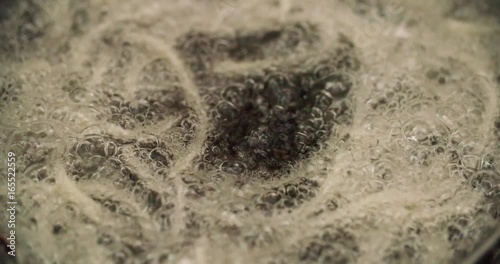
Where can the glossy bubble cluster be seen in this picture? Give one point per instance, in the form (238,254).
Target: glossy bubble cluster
(462,233)
(91,154)
(268,120)
(153,132)
(259,45)
(158,74)
(202,50)
(148,110)
(101,157)
(407,247)
(34,149)
(439,128)
(332,246)
(274,119)
(31,24)
(402,95)
(10,87)
(288,195)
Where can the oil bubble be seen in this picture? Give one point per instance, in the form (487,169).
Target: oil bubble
(227,110)
(416,130)
(271,197)
(233,167)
